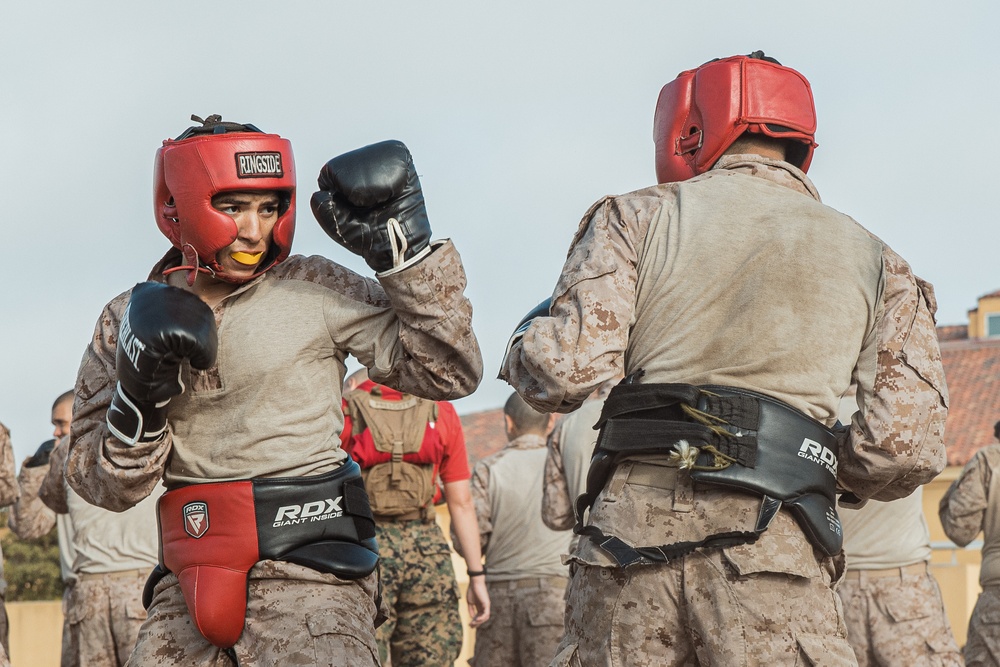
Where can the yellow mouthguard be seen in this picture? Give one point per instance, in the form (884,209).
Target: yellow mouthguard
(246,258)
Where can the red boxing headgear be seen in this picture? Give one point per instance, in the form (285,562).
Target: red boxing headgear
(200,164)
(703,111)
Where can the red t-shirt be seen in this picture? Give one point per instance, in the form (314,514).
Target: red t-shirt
(453,463)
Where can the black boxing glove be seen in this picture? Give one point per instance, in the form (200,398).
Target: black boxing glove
(541,310)
(370,202)
(41,456)
(162,327)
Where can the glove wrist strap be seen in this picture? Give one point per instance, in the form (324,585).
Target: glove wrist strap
(134,422)
(403,265)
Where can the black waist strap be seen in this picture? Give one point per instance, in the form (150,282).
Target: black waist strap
(647,436)
(641,418)
(625,554)
(293,512)
(744,440)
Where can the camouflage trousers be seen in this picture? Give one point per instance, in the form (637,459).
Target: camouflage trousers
(4,629)
(104,612)
(4,625)
(897,619)
(743,605)
(424,627)
(526,623)
(70,656)
(982,648)
(294,616)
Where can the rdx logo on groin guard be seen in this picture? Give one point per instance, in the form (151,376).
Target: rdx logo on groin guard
(817,453)
(195,519)
(318,510)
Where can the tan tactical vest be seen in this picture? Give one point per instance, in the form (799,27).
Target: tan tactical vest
(396,487)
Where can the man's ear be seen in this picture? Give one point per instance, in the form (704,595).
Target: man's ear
(551,424)
(508,425)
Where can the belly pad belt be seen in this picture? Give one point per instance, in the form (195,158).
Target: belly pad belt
(741,439)
(212,534)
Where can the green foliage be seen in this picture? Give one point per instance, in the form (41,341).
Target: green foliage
(31,568)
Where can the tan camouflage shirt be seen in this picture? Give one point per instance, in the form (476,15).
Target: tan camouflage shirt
(271,405)
(507,492)
(102,541)
(8,479)
(8,487)
(972,505)
(741,277)
(570,448)
(53,491)
(886,535)
(30,518)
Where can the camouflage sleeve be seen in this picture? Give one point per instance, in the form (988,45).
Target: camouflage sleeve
(896,440)
(8,478)
(333,276)
(481,500)
(562,358)
(103,470)
(412,329)
(29,518)
(557,506)
(53,488)
(963,505)
(438,355)
(415,331)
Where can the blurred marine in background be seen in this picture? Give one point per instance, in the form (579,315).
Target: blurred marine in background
(523,570)
(970,506)
(31,519)
(404,444)
(113,554)
(8,495)
(892,603)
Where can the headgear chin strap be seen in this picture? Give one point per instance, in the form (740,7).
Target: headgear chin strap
(704,110)
(221,157)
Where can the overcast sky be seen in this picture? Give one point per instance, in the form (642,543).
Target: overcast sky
(519,115)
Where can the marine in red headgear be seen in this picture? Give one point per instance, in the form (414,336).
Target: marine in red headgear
(195,170)
(219,378)
(705,110)
(739,308)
